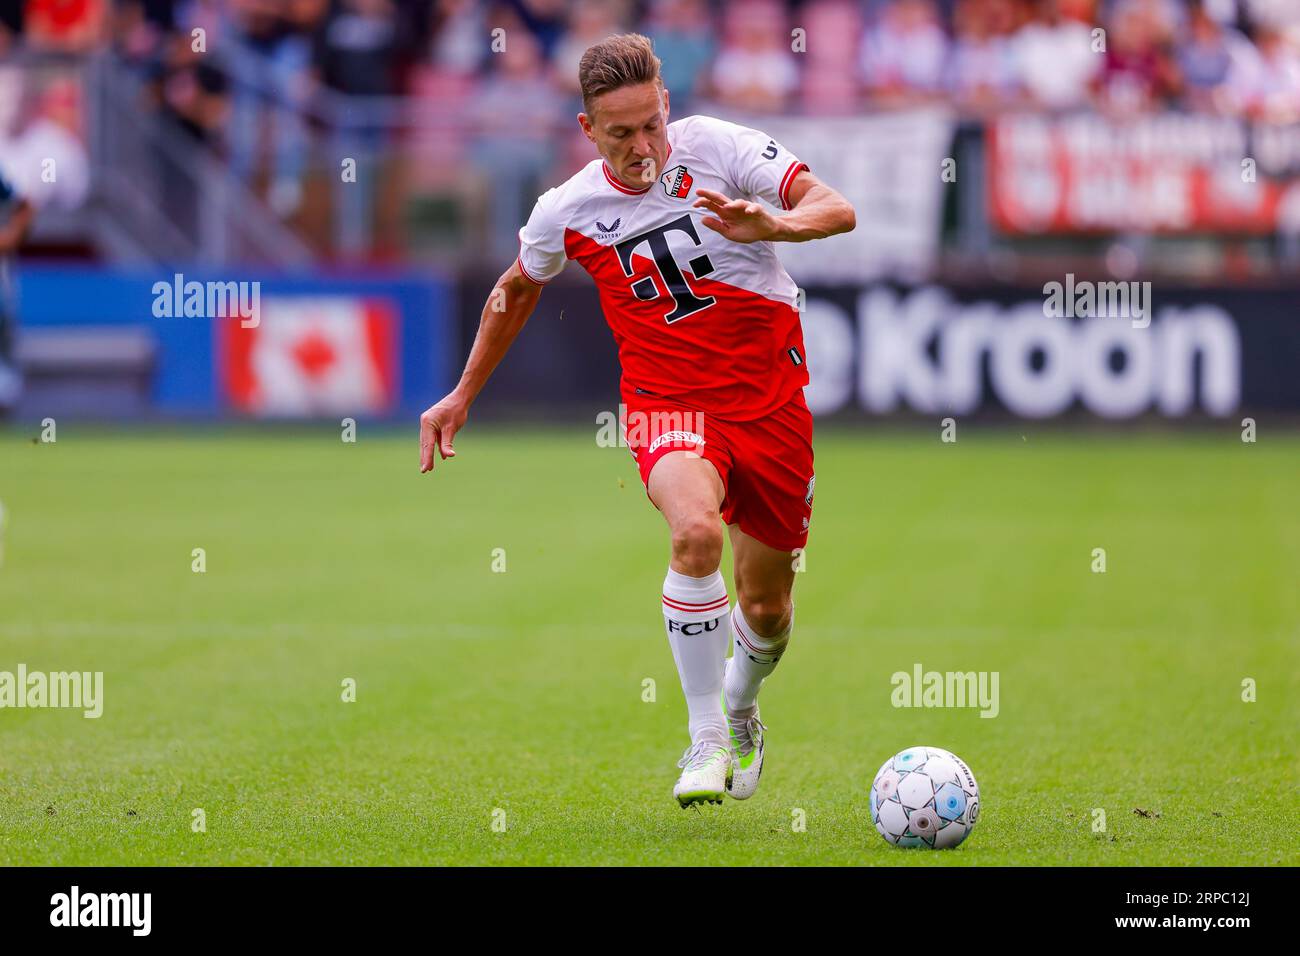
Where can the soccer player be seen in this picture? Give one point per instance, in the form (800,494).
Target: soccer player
(16,215)
(669,223)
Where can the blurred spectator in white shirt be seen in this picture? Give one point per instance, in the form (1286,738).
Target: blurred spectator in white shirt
(830,85)
(756,69)
(904,55)
(982,70)
(1203,58)
(459,28)
(1218,64)
(51,140)
(590,21)
(517,113)
(1055,54)
(682,33)
(1276,94)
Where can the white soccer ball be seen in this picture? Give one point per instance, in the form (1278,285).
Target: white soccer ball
(924,796)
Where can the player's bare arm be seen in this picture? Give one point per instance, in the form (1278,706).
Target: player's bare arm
(508,307)
(818,211)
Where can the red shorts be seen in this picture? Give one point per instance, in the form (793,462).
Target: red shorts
(766,465)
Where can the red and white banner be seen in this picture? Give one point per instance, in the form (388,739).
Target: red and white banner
(1167,173)
(311,356)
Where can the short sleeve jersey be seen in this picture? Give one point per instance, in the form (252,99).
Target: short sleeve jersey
(697,317)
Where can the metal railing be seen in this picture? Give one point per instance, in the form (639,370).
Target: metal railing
(162,197)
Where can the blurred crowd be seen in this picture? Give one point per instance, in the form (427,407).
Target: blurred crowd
(250,76)
(840,56)
(815,56)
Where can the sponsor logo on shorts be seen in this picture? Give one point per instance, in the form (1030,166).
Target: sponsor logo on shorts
(812,484)
(667,437)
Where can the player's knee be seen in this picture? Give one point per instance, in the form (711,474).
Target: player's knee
(767,613)
(697,544)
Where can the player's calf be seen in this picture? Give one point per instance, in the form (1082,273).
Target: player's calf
(754,657)
(688,491)
(761,632)
(698,625)
(766,612)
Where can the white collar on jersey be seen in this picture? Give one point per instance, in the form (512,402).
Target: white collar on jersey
(613,181)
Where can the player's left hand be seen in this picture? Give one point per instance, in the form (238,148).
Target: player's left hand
(438,427)
(738,219)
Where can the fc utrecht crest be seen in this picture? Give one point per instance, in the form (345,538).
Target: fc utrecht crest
(677,182)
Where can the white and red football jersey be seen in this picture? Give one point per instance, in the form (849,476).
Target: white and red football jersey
(697,317)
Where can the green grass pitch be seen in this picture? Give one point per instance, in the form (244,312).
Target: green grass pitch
(516,698)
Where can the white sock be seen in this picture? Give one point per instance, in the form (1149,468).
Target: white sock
(699,631)
(754,658)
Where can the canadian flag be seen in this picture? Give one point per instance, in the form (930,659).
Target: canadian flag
(311,356)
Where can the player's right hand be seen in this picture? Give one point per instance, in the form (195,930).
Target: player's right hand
(438,426)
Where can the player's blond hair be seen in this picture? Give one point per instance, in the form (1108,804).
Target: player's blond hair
(627,59)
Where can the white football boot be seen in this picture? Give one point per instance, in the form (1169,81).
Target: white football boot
(706,769)
(747,745)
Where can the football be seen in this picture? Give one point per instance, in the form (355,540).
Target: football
(925,797)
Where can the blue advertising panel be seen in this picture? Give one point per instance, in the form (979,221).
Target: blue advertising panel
(266,346)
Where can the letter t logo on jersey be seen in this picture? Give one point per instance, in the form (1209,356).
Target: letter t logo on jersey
(684,301)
